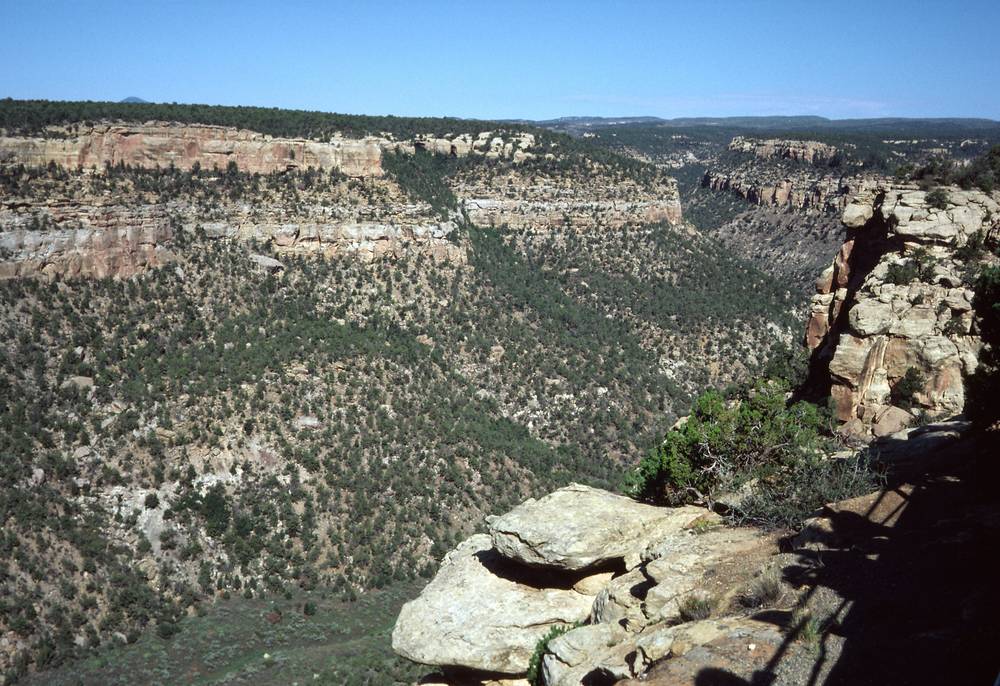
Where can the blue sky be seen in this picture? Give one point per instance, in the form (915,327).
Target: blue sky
(515,59)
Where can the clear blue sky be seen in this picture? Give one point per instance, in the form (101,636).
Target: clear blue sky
(515,59)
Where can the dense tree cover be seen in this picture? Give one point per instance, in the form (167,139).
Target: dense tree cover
(904,151)
(439,391)
(32,116)
(983,172)
(422,176)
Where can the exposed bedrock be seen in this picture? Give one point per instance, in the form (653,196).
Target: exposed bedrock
(895,298)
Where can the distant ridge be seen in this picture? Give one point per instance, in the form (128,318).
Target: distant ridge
(133,99)
(883,125)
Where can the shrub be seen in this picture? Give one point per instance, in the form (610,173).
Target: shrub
(765,591)
(534,675)
(696,606)
(903,393)
(723,444)
(788,501)
(938,198)
(900,274)
(152,501)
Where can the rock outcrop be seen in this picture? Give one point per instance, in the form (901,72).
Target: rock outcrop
(812,152)
(100,238)
(183,145)
(480,613)
(800,189)
(578,527)
(79,225)
(898,298)
(165,144)
(616,569)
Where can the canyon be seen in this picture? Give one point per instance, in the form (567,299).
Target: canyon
(94,234)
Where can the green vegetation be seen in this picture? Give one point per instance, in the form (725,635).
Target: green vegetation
(535,676)
(983,172)
(919,266)
(938,198)
(754,442)
(422,176)
(904,390)
(310,638)
(728,441)
(696,606)
(32,116)
(535,364)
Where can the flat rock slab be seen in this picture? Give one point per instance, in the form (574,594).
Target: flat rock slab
(480,612)
(578,527)
(598,654)
(722,652)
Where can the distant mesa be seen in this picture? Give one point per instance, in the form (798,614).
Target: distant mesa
(133,99)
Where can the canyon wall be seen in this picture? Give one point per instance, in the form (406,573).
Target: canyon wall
(801,190)
(898,296)
(121,239)
(162,144)
(70,229)
(184,145)
(812,152)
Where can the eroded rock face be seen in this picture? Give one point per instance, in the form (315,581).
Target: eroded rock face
(479,613)
(869,329)
(813,152)
(67,230)
(578,527)
(184,145)
(802,190)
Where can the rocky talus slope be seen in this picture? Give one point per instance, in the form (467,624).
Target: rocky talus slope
(897,297)
(81,227)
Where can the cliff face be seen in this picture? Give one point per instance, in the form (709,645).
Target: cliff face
(812,152)
(75,226)
(162,144)
(183,145)
(898,297)
(799,190)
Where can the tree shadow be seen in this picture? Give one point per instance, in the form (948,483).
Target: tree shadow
(915,577)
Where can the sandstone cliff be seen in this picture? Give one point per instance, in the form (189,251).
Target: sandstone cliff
(798,189)
(812,152)
(184,145)
(90,224)
(898,297)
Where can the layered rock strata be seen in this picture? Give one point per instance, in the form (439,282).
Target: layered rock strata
(68,230)
(812,152)
(897,297)
(184,145)
(101,238)
(799,190)
(164,144)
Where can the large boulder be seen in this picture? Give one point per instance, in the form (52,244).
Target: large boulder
(481,612)
(578,527)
